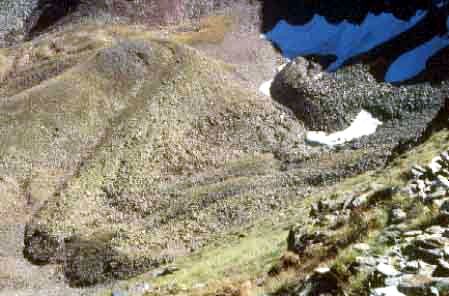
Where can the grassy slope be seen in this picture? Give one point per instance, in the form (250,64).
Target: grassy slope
(232,260)
(142,144)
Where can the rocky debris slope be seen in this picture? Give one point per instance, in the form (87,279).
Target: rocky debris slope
(432,181)
(330,101)
(13,16)
(340,221)
(417,264)
(21,20)
(408,257)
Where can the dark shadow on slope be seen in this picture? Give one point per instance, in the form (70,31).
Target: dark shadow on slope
(438,123)
(383,56)
(48,13)
(335,11)
(290,20)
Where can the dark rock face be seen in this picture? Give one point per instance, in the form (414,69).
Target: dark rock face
(321,283)
(298,242)
(404,41)
(49,12)
(40,247)
(88,262)
(13,16)
(300,12)
(329,101)
(27,19)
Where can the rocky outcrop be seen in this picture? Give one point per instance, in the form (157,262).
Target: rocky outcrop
(418,256)
(329,102)
(26,19)
(323,281)
(399,259)
(432,181)
(13,19)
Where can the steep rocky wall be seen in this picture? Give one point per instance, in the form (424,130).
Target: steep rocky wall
(403,41)
(301,12)
(12,18)
(26,19)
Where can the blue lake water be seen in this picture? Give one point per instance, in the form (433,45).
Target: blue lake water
(346,40)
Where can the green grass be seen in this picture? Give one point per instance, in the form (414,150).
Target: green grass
(211,29)
(423,217)
(229,260)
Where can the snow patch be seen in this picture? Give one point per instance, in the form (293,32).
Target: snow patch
(281,67)
(265,87)
(363,125)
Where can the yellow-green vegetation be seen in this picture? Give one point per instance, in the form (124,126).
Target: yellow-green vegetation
(420,215)
(226,261)
(5,63)
(146,142)
(211,29)
(230,261)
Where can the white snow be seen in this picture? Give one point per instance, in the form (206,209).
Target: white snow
(265,87)
(322,270)
(387,270)
(281,67)
(435,165)
(387,291)
(363,125)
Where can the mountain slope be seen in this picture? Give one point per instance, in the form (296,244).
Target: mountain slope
(120,142)
(129,154)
